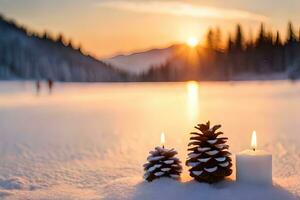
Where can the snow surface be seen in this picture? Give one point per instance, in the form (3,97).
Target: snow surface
(89,141)
(134,189)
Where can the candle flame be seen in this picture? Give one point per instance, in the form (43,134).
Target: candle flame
(253,141)
(162,139)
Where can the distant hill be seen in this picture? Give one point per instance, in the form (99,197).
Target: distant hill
(140,62)
(26,55)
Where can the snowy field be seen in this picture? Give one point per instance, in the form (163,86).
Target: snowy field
(89,141)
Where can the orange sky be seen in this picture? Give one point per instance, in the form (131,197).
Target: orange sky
(108,27)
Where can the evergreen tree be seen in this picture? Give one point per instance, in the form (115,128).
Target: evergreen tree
(79,48)
(291,36)
(261,39)
(229,45)
(44,35)
(269,38)
(277,42)
(239,38)
(291,46)
(210,39)
(218,39)
(60,39)
(70,44)
(279,55)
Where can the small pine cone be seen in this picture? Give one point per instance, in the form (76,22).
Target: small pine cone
(162,163)
(209,157)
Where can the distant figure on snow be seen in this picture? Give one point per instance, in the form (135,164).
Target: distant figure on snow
(38,87)
(50,85)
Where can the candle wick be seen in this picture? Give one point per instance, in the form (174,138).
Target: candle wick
(253,149)
(163,146)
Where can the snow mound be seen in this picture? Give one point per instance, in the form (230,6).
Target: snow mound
(57,192)
(164,188)
(5,193)
(16,183)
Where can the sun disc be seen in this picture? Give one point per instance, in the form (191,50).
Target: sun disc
(192,42)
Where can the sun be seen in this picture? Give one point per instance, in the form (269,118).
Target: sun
(192,42)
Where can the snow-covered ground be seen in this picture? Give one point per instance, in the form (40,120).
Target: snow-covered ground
(89,141)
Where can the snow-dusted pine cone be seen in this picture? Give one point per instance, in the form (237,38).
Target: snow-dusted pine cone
(162,163)
(209,157)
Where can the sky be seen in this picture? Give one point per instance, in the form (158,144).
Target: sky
(109,27)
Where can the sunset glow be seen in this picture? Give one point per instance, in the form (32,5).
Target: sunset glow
(168,22)
(192,42)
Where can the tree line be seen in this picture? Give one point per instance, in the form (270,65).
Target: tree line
(267,53)
(25,54)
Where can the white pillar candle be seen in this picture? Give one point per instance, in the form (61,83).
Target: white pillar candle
(254,166)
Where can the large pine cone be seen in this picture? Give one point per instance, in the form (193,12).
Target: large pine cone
(209,157)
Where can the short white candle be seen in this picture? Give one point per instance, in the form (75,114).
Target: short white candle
(254,166)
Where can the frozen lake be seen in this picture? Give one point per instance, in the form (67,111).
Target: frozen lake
(82,140)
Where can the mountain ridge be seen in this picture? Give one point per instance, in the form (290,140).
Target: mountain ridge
(141,61)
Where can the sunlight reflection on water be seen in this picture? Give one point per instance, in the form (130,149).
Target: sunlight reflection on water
(192,101)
